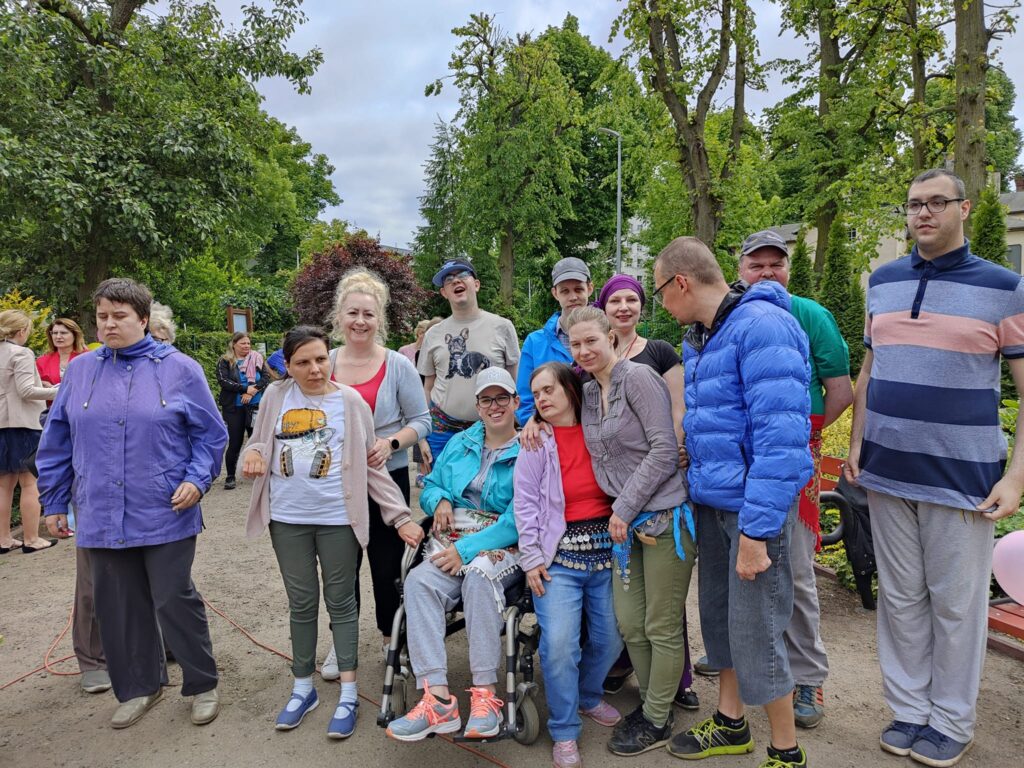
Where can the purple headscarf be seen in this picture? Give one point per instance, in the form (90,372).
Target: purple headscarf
(620,283)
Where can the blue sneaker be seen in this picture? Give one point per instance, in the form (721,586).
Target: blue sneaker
(296,709)
(899,737)
(343,723)
(935,748)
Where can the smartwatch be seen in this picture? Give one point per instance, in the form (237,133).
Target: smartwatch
(395,445)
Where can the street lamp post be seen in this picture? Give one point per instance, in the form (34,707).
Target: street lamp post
(618,196)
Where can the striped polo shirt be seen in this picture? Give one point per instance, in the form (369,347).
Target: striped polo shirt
(936,330)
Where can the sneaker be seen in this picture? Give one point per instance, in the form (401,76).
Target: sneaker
(565,754)
(777,761)
(636,735)
(329,669)
(808,705)
(95,681)
(687,699)
(935,748)
(603,714)
(701,668)
(343,723)
(616,679)
(427,717)
(229,484)
(296,709)
(709,738)
(484,714)
(899,737)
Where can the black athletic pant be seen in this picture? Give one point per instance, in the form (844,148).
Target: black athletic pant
(385,552)
(234,420)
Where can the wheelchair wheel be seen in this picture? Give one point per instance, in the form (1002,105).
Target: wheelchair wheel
(400,695)
(527,721)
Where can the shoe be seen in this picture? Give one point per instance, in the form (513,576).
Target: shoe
(27,550)
(205,707)
(899,737)
(132,710)
(935,748)
(329,669)
(603,714)
(484,714)
(701,668)
(616,679)
(95,681)
(341,727)
(229,484)
(687,699)
(709,738)
(637,735)
(290,716)
(565,754)
(808,705)
(775,761)
(427,717)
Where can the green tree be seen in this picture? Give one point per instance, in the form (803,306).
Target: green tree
(841,292)
(801,270)
(989,227)
(440,238)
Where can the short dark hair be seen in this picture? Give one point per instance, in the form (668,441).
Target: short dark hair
(299,336)
(690,256)
(936,173)
(124,290)
(567,380)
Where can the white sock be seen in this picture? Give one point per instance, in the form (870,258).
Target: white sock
(302,687)
(349,696)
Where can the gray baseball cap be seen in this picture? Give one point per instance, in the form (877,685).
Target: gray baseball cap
(766,238)
(570,268)
(494,377)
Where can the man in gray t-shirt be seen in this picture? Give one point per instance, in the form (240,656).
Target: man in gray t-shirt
(455,350)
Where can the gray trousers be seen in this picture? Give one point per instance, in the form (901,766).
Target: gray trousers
(85,632)
(808,662)
(934,566)
(429,594)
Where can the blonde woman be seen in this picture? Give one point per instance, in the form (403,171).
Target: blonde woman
(22,396)
(161,323)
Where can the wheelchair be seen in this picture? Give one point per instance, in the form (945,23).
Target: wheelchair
(522,720)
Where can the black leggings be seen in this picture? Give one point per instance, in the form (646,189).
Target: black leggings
(235,421)
(385,552)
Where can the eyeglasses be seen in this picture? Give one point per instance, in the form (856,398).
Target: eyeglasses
(658,297)
(461,276)
(935,205)
(501,400)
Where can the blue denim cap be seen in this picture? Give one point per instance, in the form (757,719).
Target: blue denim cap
(451,268)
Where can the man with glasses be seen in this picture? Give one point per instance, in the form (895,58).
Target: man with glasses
(455,350)
(927,446)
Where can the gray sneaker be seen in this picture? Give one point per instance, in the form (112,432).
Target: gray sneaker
(95,681)
(899,737)
(701,668)
(427,717)
(484,714)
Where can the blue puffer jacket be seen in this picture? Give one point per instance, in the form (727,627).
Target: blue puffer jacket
(748,409)
(541,346)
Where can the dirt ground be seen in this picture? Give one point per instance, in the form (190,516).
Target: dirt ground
(47,720)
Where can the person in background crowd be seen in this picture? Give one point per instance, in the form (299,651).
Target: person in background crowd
(276,362)
(455,350)
(566,552)
(161,323)
(135,431)
(242,375)
(388,382)
(572,287)
(308,456)
(65,341)
(22,394)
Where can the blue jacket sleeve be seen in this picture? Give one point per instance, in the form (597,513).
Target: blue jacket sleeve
(436,483)
(206,430)
(53,459)
(526,365)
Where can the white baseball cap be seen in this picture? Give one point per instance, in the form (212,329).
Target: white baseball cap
(494,377)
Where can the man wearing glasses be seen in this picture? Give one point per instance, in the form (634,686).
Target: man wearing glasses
(455,350)
(927,446)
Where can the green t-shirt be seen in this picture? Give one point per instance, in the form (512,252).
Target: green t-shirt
(830,356)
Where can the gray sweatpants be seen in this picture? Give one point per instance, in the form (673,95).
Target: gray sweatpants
(808,662)
(429,594)
(934,564)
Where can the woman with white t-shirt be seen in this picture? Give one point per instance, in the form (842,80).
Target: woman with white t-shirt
(308,454)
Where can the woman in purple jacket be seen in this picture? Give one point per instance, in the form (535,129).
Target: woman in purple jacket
(562,516)
(135,438)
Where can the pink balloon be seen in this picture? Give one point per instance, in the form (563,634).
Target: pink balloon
(1008,564)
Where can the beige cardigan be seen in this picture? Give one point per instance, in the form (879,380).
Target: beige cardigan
(357,478)
(21,390)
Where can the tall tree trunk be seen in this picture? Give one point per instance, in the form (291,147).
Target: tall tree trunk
(918,117)
(506,265)
(830,65)
(971,62)
(97,270)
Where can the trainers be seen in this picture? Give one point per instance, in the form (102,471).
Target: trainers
(565,754)
(808,705)
(636,735)
(343,723)
(687,699)
(484,714)
(329,669)
(935,748)
(603,714)
(296,709)
(427,717)
(616,679)
(775,760)
(710,738)
(701,668)
(229,484)
(899,737)
(95,681)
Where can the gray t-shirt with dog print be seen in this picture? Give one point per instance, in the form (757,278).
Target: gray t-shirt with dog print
(455,351)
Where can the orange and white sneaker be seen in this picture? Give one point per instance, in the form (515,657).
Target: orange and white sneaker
(484,714)
(427,717)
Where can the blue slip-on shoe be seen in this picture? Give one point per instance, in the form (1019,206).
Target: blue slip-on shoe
(296,709)
(899,737)
(343,724)
(936,749)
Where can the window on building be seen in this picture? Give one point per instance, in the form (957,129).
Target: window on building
(1013,256)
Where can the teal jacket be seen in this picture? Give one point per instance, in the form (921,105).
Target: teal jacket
(454,470)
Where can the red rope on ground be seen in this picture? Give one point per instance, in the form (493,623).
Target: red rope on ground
(53,645)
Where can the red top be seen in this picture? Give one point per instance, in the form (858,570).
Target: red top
(369,389)
(48,366)
(584,499)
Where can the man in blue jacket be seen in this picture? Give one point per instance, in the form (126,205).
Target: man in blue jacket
(571,286)
(747,426)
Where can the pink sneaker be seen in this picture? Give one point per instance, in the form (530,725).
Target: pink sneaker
(603,714)
(566,754)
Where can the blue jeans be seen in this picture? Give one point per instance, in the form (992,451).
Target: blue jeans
(574,677)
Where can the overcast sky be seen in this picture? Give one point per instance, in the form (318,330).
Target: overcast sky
(367,111)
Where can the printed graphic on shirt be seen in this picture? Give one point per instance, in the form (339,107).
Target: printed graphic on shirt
(463,363)
(304,433)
